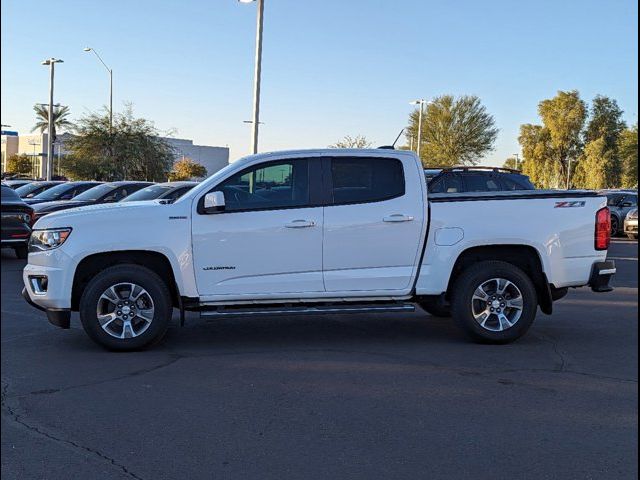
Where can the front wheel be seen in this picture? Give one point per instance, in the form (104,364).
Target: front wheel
(494,302)
(126,307)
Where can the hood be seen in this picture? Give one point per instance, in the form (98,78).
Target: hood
(97,213)
(55,205)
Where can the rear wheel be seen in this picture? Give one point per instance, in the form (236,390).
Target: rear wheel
(22,251)
(494,302)
(126,307)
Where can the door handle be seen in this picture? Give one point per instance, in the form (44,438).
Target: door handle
(398,217)
(300,224)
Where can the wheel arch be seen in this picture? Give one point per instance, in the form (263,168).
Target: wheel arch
(93,264)
(525,257)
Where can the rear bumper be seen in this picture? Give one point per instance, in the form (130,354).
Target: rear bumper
(602,274)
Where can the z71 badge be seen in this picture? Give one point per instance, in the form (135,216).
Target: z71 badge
(576,204)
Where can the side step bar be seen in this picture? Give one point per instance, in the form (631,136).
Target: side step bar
(307,309)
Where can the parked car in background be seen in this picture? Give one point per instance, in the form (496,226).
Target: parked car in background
(162,191)
(476,179)
(62,191)
(17,183)
(32,189)
(103,193)
(16,222)
(620,202)
(631,224)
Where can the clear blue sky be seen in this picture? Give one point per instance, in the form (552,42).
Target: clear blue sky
(331,68)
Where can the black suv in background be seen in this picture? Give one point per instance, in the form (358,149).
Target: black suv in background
(620,203)
(476,179)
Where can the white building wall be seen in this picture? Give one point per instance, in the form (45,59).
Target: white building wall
(212,158)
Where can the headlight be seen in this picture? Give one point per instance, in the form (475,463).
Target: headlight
(633,215)
(44,240)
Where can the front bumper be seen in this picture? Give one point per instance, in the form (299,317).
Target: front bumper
(631,226)
(60,318)
(602,274)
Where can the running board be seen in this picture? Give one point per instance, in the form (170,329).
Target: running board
(307,310)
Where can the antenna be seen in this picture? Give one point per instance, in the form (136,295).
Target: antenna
(396,140)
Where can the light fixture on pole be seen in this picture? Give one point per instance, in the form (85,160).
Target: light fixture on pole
(421,103)
(258,72)
(89,49)
(51,62)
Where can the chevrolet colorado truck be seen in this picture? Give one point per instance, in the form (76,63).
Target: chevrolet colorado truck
(318,231)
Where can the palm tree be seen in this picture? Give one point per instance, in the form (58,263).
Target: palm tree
(60,119)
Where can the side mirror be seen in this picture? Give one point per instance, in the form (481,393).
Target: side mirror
(214,202)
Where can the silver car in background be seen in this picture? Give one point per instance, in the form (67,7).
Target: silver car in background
(631,224)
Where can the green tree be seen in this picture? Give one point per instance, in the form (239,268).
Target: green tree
(60,119)
(605,122)
(359,141)
(186,169)
(628,151)
(594,169)
(537,152)
(132,150)
(564,117)
(455,131)
(19,164)
(511,163)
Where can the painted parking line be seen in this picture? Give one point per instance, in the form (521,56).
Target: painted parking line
(630,259)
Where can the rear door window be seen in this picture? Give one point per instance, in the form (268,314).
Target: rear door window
(364,180)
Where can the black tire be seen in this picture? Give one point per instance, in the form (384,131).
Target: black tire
(615,225)
(435,308)
(22,251)
(145,278)
(462,300)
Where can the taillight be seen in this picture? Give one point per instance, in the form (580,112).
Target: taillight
(603,229)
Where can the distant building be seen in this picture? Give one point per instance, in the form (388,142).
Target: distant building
(212,158)
(35,147)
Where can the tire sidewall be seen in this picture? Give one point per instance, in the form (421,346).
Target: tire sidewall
(476,276)
(139,275)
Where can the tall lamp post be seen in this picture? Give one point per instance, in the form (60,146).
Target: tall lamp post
(258,72)
(89,49)
(51,62)
(517,157)
(421,103)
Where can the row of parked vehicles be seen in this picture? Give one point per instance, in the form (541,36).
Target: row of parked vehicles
(24,202)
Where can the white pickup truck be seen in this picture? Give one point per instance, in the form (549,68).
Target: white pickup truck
(318,231)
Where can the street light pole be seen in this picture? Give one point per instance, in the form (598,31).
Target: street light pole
(517,157)
(420,103)
(51,63)
(89,49)
(257,74)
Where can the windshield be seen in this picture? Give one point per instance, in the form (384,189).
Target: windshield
(96,193)
(8,194)
(25,190)
(54,193)
(149,193)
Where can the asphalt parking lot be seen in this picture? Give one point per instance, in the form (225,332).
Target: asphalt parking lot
(357,397)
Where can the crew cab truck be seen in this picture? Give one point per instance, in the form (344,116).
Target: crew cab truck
(318,231)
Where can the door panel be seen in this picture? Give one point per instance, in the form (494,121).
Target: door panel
(372,246)
(268,241)
(255,253)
